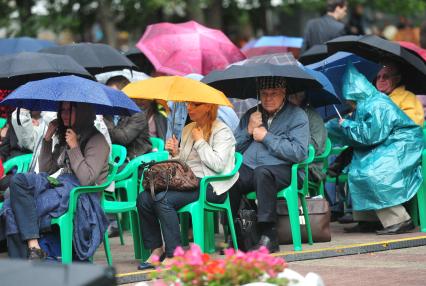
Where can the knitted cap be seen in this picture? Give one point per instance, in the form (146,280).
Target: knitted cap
(267,82)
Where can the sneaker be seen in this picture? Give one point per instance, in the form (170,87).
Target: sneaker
(36,254)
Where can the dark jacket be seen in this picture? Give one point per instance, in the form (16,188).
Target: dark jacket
(10,148)
(160,125)
(132,132)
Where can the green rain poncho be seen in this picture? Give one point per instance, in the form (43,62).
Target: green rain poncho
(385,170)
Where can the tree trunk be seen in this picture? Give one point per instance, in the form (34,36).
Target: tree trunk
(107,22)
(214,13)
(194,11)
(27,27)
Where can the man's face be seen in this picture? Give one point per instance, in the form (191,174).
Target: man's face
(341,12)
(387,79)
(272,98)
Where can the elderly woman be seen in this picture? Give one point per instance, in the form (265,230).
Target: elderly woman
(385,170)
(80,158)
(208,147)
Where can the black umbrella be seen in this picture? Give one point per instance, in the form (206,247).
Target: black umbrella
(96,58)
(315,54)
(376,49)
(139,58)
(239,80)
(18,69)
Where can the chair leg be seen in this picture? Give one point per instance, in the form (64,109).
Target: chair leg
(209,237)
(421,201)
(140,251)
(307,222)
(120,229)
(231,225)
(107,249)
(293,212)
(184,221)
(198,228)
(66,232)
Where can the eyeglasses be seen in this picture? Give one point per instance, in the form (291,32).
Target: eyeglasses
(385,76)
(194,104)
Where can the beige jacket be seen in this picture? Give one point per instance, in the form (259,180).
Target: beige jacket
(217,155)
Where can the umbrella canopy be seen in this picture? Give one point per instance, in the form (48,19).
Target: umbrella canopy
(23,44)
(18,69)
(271,45)
(240,79)
(416,49)
(376,49)
(180,49)
(96,58)
(314,54)
(46,95)
(175,88)
(137,57)
(130,75)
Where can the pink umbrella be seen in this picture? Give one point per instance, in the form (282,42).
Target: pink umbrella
(411,46)
(180,49)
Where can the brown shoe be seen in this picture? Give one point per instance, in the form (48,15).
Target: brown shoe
(36,254)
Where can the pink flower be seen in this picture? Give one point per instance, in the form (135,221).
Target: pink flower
(179,251)
(229,252)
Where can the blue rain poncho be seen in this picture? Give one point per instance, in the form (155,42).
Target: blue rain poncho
(386,166)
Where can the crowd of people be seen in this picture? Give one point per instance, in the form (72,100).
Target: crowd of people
(383,131)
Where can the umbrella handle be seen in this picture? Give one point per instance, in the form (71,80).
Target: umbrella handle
(173,117)
(338,113)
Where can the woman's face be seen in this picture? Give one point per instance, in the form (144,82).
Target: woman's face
(197,111)
(68,114)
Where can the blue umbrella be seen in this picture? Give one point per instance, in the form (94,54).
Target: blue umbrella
(334,67)
(23,44)
(47,94)
(325,96)
(274,41)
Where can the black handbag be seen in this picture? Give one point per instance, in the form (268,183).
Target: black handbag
(246,225)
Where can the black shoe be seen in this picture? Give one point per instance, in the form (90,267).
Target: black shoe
(36,254)
(113,231)
(398,228)
(363,227)
(148,265)
(271,245)
(347,218)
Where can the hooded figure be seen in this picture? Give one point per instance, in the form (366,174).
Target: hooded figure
(386,167)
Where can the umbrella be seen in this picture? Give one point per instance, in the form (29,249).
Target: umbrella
(130,75)
(18,69)
(314,54)
(271,45)
(416,49)
(240,79)
(137,57)
(189,47)
(175,88)
(96,58)
(375,49)
(23,44)
(46,94)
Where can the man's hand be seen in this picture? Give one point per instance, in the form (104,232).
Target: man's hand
(51,129)
(172,145)
(71,138)
(254,121)
(259,133)
(197,134)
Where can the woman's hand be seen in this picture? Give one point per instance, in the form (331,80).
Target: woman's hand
(71,138)
(341,120)
(172,145)
(51,129)
(197,134)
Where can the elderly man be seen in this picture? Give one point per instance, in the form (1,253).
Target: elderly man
(271,137)
(389,81)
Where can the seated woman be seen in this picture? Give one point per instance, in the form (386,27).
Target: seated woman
(80,157)
(208,147)
(156,117)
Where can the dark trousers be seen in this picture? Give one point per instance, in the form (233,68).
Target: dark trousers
(161,216)
(266,181)
(23,204)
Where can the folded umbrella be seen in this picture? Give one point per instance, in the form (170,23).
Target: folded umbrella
(47,94)
(23,44)
(175,88)
(96,58)
(376,49)
(180,49)
(18,69)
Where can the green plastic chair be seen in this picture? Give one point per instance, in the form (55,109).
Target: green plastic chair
(202,211)
(157,144)
(3,122)
(21,163)
(129,205)
(315,188)
(291,195)
(66,221)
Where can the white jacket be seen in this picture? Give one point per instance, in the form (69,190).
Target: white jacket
(217,156)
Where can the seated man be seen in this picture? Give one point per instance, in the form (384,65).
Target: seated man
(130,131)
(385,170)
(389,81)
(271,137)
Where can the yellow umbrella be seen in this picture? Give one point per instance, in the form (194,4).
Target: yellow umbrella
(175,88)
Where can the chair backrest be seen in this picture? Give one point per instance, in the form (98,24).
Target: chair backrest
(157,144)
(118,154)
(3,122)
(21,163)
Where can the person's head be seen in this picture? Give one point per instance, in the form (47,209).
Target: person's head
(272,91)
(146,104)
(117,82)
(351,104)
(388,78)
(298,99)
(337,8)
(204,114)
